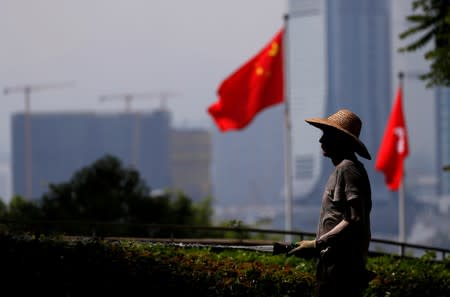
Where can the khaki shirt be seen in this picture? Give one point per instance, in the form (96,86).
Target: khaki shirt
(349,181)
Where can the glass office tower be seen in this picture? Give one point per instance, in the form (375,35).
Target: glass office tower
(338,56)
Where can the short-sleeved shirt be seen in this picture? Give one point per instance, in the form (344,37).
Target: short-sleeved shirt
(348,181)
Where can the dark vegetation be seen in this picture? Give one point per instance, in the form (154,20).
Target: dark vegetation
(430,25)
(38,257)
(95,267)
(106,192)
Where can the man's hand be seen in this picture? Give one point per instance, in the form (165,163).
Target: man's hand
(303,245)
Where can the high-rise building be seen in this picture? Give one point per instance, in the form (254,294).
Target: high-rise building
(5,178)
(62,143)
(443,139)
(338,55)
(190,159)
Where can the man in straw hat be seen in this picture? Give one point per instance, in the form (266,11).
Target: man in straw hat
(343,233)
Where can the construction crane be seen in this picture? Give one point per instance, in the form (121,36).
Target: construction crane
(163,96)
(27,90)
(128,97)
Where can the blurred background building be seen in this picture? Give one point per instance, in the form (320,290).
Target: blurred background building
(190,162)
(348,65)
(340,53)
(343,54)
(62,143)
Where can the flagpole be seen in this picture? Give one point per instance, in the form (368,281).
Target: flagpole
(401,193)
(401,214)
(288,143)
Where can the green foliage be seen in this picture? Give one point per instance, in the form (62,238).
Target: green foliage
(3,208)
(83,267)
(409,276)
(204,212)
(21,208)
(238,232)
(433,22)
(106,198)
(100,192)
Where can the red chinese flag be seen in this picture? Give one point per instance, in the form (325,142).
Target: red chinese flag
(256,85)
(394,146)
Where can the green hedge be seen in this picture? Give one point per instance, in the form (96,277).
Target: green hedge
(56,267)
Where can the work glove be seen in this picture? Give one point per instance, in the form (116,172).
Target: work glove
(282,248)
(303,246)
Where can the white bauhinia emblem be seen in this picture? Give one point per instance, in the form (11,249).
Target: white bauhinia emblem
(401,141)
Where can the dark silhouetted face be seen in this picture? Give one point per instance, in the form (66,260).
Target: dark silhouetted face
(335,144)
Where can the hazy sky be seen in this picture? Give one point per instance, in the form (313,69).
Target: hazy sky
(109,47)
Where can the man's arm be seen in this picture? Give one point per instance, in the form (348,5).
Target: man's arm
(353,218)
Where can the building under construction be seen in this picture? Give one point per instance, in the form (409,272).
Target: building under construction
(62,143)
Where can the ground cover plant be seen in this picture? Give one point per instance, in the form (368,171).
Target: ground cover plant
(98,267)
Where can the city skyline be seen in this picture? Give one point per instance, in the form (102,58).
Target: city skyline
(117,47)
(188,107)
(57,42)
(187,49)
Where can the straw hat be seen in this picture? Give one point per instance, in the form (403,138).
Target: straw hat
(346,121)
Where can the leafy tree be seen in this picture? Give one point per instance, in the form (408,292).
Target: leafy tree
(174,208)
(104,193)
(108,192)
(204,212)
(100,192)
(20,210)
(433,23)
(3,208)
(23,209)
(182,210)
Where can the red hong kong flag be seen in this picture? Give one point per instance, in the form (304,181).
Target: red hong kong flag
(394,146)
(253,87)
